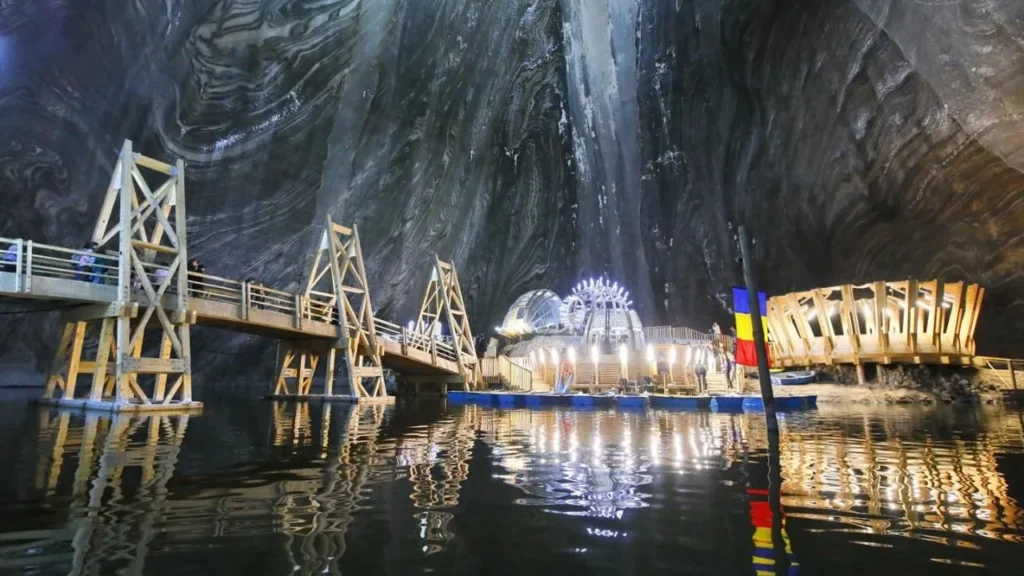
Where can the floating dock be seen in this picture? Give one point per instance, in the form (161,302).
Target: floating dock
(587,401)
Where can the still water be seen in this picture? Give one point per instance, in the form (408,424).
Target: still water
(255,487)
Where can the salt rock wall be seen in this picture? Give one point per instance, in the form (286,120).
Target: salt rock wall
(534,142)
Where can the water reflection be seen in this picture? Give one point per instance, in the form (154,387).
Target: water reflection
(298,488)
(104,461)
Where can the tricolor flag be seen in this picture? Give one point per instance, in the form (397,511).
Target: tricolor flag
(745,351)
(765,562)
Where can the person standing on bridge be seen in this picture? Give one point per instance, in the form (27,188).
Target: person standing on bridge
(84,263)
(194,267)
(10,259)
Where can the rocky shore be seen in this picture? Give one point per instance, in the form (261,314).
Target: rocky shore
(899,385)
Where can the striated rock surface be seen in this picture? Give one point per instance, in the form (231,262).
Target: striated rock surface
(536,141)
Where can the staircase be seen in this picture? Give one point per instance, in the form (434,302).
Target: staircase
(717,384)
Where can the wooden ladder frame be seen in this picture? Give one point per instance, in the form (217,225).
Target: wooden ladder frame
(148,223)
(444,296)
(339,270)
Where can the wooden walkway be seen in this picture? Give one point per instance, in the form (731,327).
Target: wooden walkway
(134,287)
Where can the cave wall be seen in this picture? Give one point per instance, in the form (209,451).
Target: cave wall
(534,142)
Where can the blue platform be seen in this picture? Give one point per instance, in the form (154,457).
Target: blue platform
(681,402)
(734,404)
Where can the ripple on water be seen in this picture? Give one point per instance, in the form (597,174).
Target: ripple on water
(288,488)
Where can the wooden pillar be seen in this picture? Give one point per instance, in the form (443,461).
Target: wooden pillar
(99,375)
(1013,374)
(124,294)
(60,356)
(329,377)
(161,379)
(74,359)
(861,379)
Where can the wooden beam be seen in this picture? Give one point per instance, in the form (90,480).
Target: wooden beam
(153,164)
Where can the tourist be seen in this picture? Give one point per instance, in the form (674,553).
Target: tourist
(159,277)
(194,267)
(702,376)
(10,263)
(257,295)
(85,263)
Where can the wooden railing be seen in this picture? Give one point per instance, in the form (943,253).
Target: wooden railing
(28,259)
(670,334)
(511,373)
(1005,369)
(435,346)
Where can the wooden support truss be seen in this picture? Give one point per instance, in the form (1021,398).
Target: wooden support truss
(339,273)
(443,302)
(148,233)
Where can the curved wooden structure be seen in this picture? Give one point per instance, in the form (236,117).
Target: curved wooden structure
(909,321)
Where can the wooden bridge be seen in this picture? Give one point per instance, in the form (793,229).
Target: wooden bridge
(134,286)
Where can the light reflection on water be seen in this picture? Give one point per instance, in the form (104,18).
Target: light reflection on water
(283,488)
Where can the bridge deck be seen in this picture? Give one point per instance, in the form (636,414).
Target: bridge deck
(42,272)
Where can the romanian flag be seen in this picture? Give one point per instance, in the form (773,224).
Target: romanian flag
(745,352)
(765,562)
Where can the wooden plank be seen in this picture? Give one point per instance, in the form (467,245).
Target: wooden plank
(155,365)
(974,320)
(824,321)
(107,208)
(74,358)
(850,311)
(161,379)
(910,318)
(60,356)
(881,318)
(99,376)
(330,368)
(154,247)
(153,164)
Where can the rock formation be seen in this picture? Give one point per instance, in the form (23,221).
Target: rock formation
(537,141)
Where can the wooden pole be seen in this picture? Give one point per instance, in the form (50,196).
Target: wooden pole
(764,377)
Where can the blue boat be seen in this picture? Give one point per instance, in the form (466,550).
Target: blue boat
(794,378)
(458,396)
(534,399)
(681,402)
(782,403)
(581,400)
(728,403)
(506,399)
(631,401)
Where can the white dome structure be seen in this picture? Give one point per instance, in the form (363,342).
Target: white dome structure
(533,312)
(598,311)
(602,312)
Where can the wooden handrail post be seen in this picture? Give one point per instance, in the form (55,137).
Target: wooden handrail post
(18,265)
(246,300)
(298,312)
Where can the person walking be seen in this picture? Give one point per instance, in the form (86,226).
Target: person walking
(702,376)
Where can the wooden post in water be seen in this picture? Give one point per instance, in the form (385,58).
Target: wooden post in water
(764,377)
